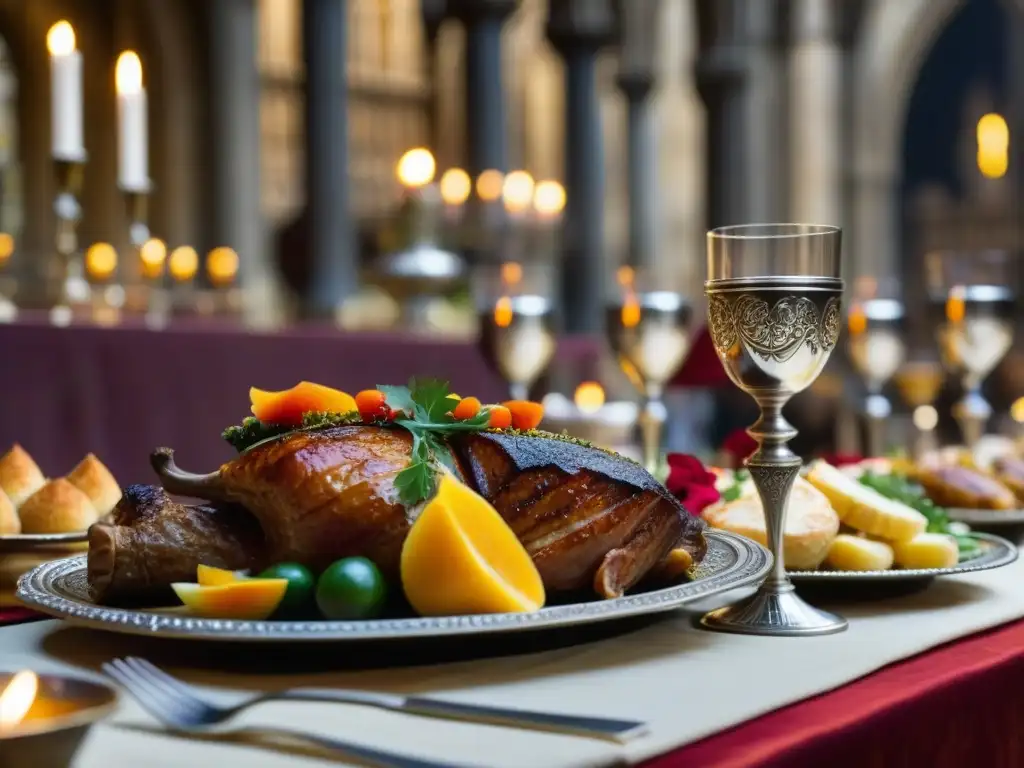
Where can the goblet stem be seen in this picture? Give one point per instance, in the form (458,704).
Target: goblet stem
(877,409)
(972,413)
(652,418)
(775,609)
(518,390)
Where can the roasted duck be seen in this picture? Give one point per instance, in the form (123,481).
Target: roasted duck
(956,486)
(1010,471)
(590,519)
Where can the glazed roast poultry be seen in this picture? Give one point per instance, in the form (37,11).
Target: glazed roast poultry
(590,519)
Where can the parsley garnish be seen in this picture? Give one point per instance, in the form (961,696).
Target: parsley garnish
(251,432)
(735,490)
(426,406)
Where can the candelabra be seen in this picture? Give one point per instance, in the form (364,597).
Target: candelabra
(71,289)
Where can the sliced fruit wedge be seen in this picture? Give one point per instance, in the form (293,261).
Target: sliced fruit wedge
(208,576)
(460,557)
(288,406)
(247,600)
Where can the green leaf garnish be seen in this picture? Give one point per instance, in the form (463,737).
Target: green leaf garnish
(732,493)
(252,432)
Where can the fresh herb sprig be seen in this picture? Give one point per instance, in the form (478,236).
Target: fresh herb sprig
(734,491)
(251,432)
(424,409)
(900,488)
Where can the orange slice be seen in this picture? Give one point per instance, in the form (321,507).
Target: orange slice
(208,576)
(248,599)
(461,557)
(288,406)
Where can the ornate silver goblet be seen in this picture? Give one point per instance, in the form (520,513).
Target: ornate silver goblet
(975,309)
(774,316)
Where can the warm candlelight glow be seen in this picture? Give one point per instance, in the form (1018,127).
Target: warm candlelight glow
(489,185)
(548,198)
(503,312)
(858,321)
(955,305)
(128,73)
(6,247)
(183,263)
(17,698)
(153,254)
(589,397)
(517,192)
(100,261)
(625,276)
(221,266)
(1017,410)
(455,186)
(60,40)
(926,418)
(416,168)
(993,146)
(511,273)
(630,312)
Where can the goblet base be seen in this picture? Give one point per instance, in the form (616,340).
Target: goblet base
(774,610)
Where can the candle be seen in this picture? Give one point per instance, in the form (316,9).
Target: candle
(548,204)
(133,139)
(65,93)
(183,263)
(416,168)
(455,190)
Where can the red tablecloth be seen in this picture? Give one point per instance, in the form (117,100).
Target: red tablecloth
(958,706)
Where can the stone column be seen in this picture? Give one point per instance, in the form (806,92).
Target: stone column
(434,13)
(579,29)
(486,123)
(331,237)
(815,114)
(235,157)
(638,63)
(739,77)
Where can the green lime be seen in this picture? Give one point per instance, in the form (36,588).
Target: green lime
(298,598)
(352,588)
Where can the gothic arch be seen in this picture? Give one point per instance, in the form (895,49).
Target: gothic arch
(894,40)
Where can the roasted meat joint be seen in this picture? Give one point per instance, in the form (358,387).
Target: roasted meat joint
(397,484)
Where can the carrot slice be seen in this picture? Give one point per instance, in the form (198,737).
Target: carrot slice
(467,408)
(288,406)
(526,414)
(500,417)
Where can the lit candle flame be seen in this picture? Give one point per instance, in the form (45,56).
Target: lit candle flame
(993,146)
(221,266)
(858,321)
(955,305)
(128,73)
(100,261)
(503,312)
(60,40)
(625,276)
(548,199)
(455,186)
(152,255)
(1017,410)
(6,247)
(183,263)
(517,192)
(489,185)
(416,168)
(511,273)
(589,397)
(17,698)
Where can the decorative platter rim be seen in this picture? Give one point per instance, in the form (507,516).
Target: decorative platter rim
(998,552)
(26,540)
(986,516)
(58,588)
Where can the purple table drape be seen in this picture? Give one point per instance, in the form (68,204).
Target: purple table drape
(120,392)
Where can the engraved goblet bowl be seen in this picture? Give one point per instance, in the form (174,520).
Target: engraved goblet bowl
(774,316)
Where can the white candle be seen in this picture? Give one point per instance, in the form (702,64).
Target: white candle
(66,93)
(133,138)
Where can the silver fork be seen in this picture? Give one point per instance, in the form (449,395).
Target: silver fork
(195,712)
(176,707)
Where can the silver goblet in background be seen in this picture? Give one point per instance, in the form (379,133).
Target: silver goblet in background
(648,329)
(975,308)
(877,350)
(919,381)
(516,323)
(774,315)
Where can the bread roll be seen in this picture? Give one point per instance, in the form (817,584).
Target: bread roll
(9,520)
(20,477)
(811,524)
(93,479)
(57,507)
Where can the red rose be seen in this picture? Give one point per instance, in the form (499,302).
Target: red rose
(691,482)
(740,445)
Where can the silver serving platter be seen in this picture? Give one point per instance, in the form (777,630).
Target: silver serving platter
(996,552)
(989,518)
(60,589)
(23,541)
